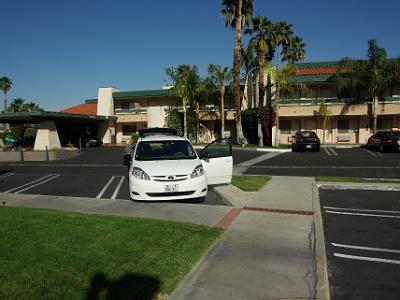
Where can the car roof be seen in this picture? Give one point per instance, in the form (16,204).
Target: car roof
(162,137)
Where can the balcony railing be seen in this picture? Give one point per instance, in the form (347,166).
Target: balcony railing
(349,101)
(130,111)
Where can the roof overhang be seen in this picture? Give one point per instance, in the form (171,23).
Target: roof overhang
(37,116)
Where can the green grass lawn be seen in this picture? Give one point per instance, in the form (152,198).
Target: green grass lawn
(355,179)
(47,254)
(250,183)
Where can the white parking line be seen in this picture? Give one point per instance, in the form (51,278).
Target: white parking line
(330,151)
(366,248)
(362,215)
(6,175)
(376,154)
(44,181)
(114,195)
(105,187)
(29,183)
(366,258)
(362,210)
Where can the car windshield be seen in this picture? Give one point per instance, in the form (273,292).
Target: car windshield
(164,150)
(307,134)
(393,134)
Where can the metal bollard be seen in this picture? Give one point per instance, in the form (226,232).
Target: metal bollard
(47,154)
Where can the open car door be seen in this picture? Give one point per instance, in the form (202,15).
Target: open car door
(218,162)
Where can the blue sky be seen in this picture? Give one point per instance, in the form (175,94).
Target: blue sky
(59,52)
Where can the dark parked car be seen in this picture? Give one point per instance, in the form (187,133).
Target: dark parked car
(385,141)
(94,142)
(305,140)
(25,141)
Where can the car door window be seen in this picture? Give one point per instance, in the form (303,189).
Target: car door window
(218,148)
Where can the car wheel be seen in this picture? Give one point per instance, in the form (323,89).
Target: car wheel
(369,145)
(293,149)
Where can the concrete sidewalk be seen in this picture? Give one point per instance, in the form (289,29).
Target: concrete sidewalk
(272,248)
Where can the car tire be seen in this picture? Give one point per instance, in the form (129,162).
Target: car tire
(293,149)
(369,145)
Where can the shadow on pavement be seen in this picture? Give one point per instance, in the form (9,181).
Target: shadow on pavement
(129,286)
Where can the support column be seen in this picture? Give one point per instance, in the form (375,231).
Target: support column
(47,135)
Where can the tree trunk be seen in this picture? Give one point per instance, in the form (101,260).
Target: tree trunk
(261,95)
(374,114)
(222,111)
(236,65)
(270,112)
(184,118)
(197,122)
(323,130)
(5,102)
(277,132)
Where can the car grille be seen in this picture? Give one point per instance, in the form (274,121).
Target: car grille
(166,179)
(170,194)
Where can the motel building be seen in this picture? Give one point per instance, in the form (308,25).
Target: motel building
(115,115)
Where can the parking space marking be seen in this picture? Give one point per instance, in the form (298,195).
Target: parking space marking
(330,151)
(362,210)
(366,258)
(366,248)
(6,175)
(376,154)
(40,183)
(105,187)
(361,215)
(114,195)
(30,183)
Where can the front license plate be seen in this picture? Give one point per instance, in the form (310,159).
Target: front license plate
(170,188)
(308,146)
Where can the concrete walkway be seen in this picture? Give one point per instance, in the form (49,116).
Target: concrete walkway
(272,248)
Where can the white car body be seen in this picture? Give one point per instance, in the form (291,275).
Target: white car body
(174,178)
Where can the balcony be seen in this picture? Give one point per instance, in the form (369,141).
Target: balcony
(130,111)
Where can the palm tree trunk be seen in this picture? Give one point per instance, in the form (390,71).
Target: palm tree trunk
(236,65)
(261,95)
(222,111)
(184,118)
(323,130)
(277,132)
(374,114)
(197,122)
(5,102)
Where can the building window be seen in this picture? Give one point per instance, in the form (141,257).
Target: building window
(343,126)
(384,124)
(285,127)
(130,105)
(128,129)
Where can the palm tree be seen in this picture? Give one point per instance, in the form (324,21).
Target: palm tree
(249,67)
(186,83)
(220,76)
(17,105)
(237,14)
(373,74)
(5,86)
(325,114)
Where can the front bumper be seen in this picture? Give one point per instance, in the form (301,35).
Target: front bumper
(151,190)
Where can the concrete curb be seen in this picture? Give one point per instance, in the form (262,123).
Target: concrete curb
(320,252)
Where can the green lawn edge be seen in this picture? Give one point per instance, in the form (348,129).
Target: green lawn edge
(51,254)
(250,183)
(354,179)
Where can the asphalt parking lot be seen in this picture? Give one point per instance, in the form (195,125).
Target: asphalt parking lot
(96,173)
(351,162)
(362,230)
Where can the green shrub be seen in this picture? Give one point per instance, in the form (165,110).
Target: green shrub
(174,119)
(135,137)
(249,125)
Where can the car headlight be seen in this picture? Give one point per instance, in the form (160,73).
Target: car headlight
(140,174)
(197,172)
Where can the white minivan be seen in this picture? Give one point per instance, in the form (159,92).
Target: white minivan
(166,167)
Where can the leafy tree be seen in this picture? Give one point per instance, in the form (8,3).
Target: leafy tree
(20,105)
(173,119)
(237,15)
(5,86)
(374,74)
(221,76)
(186,81)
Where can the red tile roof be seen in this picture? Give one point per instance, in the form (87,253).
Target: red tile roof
(84,109)
(316,71)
